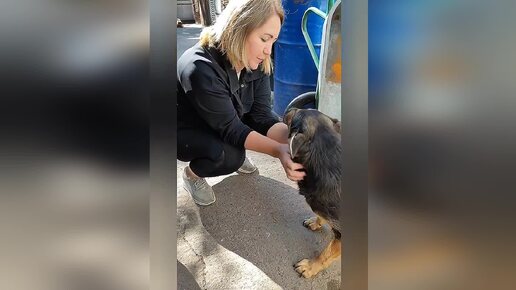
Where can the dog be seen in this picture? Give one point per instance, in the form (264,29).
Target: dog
(314,140)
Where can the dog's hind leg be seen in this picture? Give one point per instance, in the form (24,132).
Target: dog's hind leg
(314,223)
(310,267)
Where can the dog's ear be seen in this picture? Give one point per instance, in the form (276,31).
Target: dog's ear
(336,125)
(287,118)
(297,144)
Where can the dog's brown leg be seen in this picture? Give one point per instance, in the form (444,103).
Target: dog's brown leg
(314,223)
(310,267)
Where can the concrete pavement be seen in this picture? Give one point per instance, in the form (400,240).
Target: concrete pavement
(251,237)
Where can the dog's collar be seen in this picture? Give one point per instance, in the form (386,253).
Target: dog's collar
(290,144)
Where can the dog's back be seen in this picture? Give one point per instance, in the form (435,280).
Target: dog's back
(317,146)
(321,185)
(315,143)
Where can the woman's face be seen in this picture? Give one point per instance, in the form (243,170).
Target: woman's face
(258,45)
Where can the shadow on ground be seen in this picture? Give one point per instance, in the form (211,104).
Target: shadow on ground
(185,280)
(260,219)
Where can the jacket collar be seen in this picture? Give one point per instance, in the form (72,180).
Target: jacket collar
(232,75)
(247,76)
(224,63)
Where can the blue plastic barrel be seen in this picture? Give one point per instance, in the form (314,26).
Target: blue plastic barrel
(294,70)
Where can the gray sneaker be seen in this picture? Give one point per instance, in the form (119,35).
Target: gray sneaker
(199,189)
(247,167)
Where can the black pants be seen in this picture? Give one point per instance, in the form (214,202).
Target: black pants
(209,156)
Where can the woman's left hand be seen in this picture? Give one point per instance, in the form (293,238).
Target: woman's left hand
(293,170)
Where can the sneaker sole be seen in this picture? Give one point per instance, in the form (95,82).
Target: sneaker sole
(246,171)
(199,202)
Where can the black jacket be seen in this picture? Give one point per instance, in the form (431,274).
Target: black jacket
(209,95)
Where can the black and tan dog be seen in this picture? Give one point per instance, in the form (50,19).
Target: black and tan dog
(314,140)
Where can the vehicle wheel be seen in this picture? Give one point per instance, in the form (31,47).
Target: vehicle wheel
(303,101)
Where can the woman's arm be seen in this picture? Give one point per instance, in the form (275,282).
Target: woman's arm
(259,143)
(279,132)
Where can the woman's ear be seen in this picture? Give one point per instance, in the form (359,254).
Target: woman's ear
(287,118)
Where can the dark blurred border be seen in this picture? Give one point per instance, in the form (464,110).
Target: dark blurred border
(163,266)
(74,145)
(355,145)
(441,144)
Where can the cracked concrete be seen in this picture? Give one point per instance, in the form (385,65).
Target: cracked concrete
(201,260)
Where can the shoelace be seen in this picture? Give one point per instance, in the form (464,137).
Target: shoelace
(200,183)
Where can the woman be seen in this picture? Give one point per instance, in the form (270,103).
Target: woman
(224,98)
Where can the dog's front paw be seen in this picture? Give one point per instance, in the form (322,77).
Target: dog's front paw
(307,268)
(312,223)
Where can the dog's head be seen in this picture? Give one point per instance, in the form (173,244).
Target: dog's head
(309,128)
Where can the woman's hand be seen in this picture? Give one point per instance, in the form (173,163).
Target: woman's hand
(259,143)
(291,168)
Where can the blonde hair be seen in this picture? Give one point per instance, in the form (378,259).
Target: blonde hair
(236,22)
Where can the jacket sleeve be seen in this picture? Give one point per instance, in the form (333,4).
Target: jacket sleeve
(261,117)
(211,99)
